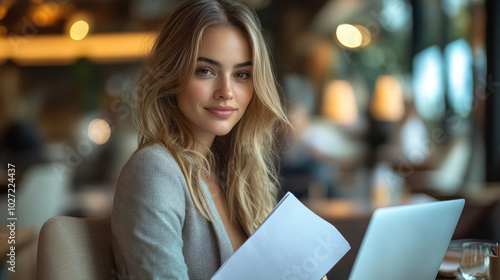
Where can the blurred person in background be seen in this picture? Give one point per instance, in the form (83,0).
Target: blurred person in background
(307,170)
(20,144)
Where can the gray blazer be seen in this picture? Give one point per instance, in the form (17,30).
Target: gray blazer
(157,231)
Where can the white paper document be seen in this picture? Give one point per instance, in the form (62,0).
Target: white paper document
(292,243)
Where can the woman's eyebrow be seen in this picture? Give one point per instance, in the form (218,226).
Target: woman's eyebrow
(239,65)
(210,61)
(218,64)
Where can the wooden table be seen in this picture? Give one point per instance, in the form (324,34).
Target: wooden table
(349,209)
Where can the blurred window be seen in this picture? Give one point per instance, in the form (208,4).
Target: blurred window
(428,83)
(458,57)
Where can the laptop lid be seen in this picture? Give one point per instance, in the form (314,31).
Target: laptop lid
(407,242)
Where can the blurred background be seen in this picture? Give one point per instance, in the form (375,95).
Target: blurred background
(392,102)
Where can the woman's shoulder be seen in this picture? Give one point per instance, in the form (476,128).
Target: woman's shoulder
(153,150)
(151,165)
(152,156)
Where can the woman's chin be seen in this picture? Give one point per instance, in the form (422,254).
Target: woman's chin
(223,131)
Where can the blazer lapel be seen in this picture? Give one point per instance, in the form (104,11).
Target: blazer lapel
(224,243)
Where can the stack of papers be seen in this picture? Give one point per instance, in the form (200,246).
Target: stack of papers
(292,243)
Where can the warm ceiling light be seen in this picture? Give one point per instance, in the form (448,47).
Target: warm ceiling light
(79,30)
(62,50)
(46,14)
(349,36)
(3,12)
(99,131)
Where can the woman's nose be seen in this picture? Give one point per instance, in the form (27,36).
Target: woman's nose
(224,89)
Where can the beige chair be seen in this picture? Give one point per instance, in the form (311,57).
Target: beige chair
(75,248)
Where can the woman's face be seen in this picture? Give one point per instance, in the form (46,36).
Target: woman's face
(221,85)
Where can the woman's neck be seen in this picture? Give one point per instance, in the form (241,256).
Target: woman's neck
(202,145)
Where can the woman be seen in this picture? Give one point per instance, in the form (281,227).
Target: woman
(204,177)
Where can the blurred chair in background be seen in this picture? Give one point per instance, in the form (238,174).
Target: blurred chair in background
(77,249)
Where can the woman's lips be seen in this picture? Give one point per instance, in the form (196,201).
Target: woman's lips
(221,111)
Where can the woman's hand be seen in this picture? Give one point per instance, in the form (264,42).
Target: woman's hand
(324,278)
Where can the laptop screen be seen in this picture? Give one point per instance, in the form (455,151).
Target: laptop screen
(407,242)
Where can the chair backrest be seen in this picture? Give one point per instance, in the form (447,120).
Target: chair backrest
(75,248)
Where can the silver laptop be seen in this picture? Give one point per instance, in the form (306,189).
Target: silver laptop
(407,242)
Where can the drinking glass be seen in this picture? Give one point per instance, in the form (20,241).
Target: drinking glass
(475,261)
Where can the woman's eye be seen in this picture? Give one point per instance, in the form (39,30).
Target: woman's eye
(242,75)
(204,72)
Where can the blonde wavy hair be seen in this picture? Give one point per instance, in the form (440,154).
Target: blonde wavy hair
(245,160)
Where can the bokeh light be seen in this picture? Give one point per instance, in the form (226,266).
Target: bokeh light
(366,36)
(99,131)
(349,36)
(79,30)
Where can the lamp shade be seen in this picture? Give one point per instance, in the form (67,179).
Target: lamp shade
(339,103)
(387,102)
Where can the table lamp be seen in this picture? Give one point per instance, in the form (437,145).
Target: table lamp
(387,103)
(339,103)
